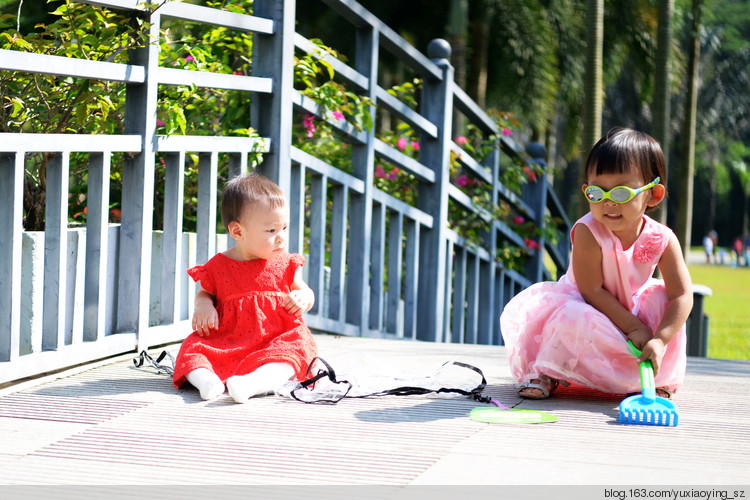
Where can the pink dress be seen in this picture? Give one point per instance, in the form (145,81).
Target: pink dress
(548,328)
(254,329)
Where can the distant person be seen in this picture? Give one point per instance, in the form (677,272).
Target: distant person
(738,251)
(248,327)
(575,330)
(708,247)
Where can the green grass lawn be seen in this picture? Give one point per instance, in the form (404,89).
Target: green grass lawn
(728,309)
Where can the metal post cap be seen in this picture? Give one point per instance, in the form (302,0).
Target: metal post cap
(439,49)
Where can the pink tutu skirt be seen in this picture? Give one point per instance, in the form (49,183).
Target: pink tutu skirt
(549,329)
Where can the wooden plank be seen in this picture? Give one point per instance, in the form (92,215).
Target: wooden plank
(458,307)
(315,165)
(304,103)
(43,143)
(339,221)
(404,112)
(473,112)
(297,208)
(97,246)
(411,277)
(172,270)
(340,68)
(377,266)
(395,264)
(410,212)
(217,17)
(29,62)
(205,79)
(138,195)
(407,163)
(208,167)
(271,114)
(211,144)
(55,251)
(318,218)
(472,298)
(469,162)
(92,428)
(11,212)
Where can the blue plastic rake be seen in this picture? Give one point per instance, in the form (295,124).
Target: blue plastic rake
(647,408)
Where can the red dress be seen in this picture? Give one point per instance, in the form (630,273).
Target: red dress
(254,329)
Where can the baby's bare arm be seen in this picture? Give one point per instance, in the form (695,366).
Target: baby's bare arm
(301,298)
(205,316)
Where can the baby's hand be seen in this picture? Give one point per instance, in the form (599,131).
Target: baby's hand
(298,302)
(205,319)
(653,350)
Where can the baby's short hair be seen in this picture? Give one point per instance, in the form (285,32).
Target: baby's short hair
(250,190)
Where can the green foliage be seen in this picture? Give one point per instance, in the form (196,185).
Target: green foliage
(726,308)
(67,105)
(52,104)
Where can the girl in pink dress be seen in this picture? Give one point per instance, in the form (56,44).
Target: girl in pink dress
(248,327)
(575,330)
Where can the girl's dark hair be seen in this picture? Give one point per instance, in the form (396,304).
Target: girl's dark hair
(624,150)
(250,190)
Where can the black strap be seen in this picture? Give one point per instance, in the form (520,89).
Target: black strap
(308,384)
(144,357)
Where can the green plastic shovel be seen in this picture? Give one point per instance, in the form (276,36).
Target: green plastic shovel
(501,414)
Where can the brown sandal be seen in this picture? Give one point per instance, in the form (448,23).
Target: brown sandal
(664,392)
(546,385)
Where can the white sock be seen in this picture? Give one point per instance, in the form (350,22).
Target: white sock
(264,380)
(207,382)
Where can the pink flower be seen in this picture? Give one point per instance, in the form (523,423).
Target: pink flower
(380,172)
(394,173)
(189,58)
(236,72)
(415,145)
(160,123)
(529,173)
(309,124)
(531,244)
(401,143)
(338,115)
(462,181)
(461,140)
(518,220)
(507,132)
(651,249)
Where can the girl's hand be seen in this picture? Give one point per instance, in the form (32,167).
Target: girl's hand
(641,336)
(298,301)
(653,350)
(205,319)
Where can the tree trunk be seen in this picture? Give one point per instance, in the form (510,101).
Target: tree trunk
(662,82)
(593,90)
(685,212)
(458,22)
(480,40)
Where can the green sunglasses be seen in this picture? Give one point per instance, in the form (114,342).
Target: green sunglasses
(619,194)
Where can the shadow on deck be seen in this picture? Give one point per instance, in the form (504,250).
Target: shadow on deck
(117,424)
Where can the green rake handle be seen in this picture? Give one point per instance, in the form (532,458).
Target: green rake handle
(648,386)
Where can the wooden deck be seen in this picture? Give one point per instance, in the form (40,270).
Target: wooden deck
(116,424)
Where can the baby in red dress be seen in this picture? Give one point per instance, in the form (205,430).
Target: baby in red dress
(248,327)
